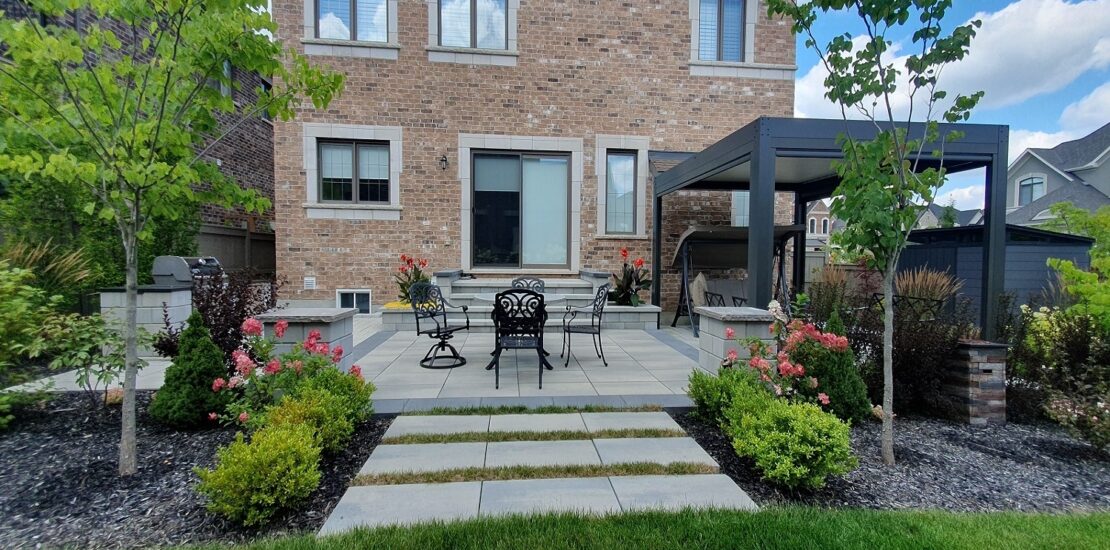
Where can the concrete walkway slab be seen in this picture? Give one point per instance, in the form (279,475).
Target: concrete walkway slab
(403,504)
(569,422)
(436,424)
(676,492)
(596,422)
(541,453)
(424,457)
(646,449)
(583,495)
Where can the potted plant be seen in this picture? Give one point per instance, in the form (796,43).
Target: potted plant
(409,272)
(632,279)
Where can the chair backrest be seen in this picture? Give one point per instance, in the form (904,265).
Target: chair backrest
(713,299)
(519,312)
(598,305)
(531,283)
(427,303)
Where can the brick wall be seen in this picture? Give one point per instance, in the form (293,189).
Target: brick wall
(617,68)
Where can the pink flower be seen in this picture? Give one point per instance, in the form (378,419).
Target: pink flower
(403,269)
(356,371)
(218,384)
(730,333)
(298,365)
(764,378)
(423,263)
(731,356)
(336,354)
(243,362)
(252,327)
(812,382)
(244,417)
(273,367)
(404,258)
(280,328)
(235,381)
(212,417)
(313,337)
(823,398)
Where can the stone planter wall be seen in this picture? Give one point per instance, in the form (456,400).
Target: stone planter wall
(714,321)
(975,382)
(336,326)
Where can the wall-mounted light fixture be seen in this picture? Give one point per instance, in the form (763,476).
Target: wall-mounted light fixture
(443,162)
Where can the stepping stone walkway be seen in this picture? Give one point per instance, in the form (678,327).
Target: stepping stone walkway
(378,505)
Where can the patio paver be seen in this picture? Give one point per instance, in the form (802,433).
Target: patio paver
(439,424)
(676,492)
(584,495)
(646,449)
(596,422)
(403,504)
(541,453)
(568,422)
(424,457)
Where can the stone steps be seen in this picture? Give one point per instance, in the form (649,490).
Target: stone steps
(644,317)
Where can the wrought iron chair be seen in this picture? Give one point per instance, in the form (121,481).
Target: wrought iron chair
(713,299)
(519,315)
(534,284)
(430,307)
(595,309)
(738,302)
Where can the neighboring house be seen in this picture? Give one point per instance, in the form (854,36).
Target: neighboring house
(237,239)
(504,138)
(1075,171)
(820,224)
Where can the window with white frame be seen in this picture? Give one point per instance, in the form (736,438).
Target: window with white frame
(353,297)
(480,24)
(721,30)
(357,20)
(813,225)
(620,192)
(825,226)
(1030,189)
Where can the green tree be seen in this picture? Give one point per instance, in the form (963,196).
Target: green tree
(883,189)
(187,396)
(948,215)
(127,108)
(1091,287)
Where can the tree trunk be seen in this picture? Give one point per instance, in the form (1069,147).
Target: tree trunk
(888,367)
(128,459)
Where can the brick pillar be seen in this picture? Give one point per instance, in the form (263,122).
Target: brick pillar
(976,380)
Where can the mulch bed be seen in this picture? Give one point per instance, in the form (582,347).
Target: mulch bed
(60,486)
(941,465)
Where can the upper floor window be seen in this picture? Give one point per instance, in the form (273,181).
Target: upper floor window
(474,24)
(361,20)
(353,171)
(620,192)
(825,226)
(720,32)
(1030,189)
(813,225)
(740,210)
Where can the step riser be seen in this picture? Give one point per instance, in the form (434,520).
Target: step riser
(480,321)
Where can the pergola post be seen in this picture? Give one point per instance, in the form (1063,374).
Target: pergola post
(799,269)
(761,223)
(994,236)
(656,250)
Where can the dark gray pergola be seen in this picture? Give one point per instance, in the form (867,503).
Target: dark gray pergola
(794,155)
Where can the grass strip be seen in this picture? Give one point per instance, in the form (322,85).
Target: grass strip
(494,437)
(770,528)
(522,409)
(535,472)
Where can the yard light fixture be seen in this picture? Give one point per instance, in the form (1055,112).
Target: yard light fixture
(443,162)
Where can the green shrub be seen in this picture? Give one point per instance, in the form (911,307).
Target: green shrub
(326,413)
(350,389)
(837,374)
(187,397)
(712,395)
(792,444)
(252,481)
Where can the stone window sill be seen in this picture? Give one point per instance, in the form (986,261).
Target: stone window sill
(768,71)
(352,211)
(607,237)
(350,48)
(472,56)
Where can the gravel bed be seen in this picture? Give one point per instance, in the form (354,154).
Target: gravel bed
(58,469)
(941,465)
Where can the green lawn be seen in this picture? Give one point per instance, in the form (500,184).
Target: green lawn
(772,528)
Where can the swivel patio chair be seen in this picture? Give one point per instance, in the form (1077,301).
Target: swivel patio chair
(531,283)
(596,309)
(430,308)
(519,315)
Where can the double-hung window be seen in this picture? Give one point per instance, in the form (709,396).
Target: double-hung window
(1030,189)
(620,192)
(474,24)
(354,172)
(721,30)
(361,20)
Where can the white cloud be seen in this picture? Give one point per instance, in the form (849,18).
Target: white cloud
(332,26)
(966,198)
(1088,114)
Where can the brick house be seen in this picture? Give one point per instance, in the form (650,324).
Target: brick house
(507,137)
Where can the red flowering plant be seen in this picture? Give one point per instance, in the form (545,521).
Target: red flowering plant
(627,285)
(410,271)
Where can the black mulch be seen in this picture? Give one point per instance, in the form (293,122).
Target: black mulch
(941,465)
(60,487)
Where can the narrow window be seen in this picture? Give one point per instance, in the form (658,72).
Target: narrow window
(825,226)
(620,192)
(354,172)
(225,83)
(740,210)
(721,30)
(359,299)
(362,20)
(813,225)
(473,24)
(1030,189)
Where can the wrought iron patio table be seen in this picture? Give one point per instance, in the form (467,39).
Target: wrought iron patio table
(548,298)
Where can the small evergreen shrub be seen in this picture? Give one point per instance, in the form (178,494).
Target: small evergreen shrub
(326,413)
(796,445)
(838,377)
(712,395)
(191,390)
(252,481)
(352,391)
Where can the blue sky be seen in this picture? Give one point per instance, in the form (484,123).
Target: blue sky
(1044,65)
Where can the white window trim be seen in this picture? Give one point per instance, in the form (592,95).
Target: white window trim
(1023,177)
(315,209)
(369,293)
(350,48)
(473,56)
(748,68)
(640,145)
(467,142)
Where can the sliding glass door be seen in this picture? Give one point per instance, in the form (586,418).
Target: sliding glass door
(521,210)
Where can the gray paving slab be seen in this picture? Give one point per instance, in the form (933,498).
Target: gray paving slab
(530,402)
(458,402)
(424,457)
(389,406)
(675,401)
(593,495)
(437,424)
(676,492)
(658,450)
(568,422)
(596,422)
(403,504)
(541,453)
(586,400)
